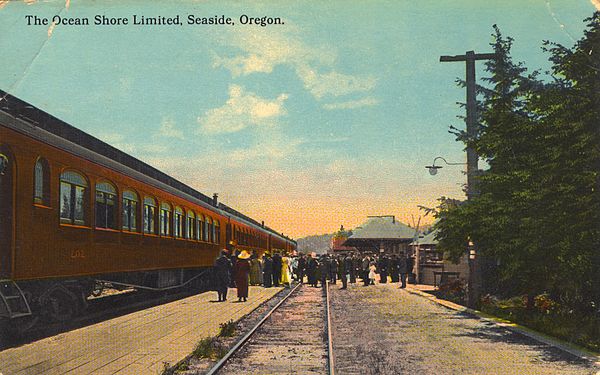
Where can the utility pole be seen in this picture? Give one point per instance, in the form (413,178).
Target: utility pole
(474,289)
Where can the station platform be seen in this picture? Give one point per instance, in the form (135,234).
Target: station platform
(137,343)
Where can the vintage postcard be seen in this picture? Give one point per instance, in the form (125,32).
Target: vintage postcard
(300,187)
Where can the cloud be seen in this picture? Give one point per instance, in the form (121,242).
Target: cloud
(333,83)
(314,65)
(242,109)
(596,3)
(167,129)
(263,50)
(365,102)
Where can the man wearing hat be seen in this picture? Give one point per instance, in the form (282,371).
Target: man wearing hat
(277,264)
(267,270)
(242,269)
(222,271)
(311,269)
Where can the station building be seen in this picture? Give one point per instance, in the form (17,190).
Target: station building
(430,266)
(382,234)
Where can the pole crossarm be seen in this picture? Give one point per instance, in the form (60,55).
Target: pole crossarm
(470,55)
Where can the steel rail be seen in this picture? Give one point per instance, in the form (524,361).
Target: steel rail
(329,334)
(240,343)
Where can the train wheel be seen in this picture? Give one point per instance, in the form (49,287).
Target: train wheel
(60,304)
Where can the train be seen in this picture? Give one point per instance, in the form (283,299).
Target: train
(77,215)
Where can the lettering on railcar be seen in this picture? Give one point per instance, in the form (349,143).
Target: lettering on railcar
(77,254)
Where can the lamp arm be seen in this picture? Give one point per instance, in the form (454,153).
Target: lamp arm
(445,161)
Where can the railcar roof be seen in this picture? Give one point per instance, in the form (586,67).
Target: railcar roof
(43,120)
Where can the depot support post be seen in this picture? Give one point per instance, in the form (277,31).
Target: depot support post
(474,287)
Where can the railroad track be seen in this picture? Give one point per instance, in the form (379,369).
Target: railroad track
(293,337)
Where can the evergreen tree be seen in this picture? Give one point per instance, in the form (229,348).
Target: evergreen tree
(538,211)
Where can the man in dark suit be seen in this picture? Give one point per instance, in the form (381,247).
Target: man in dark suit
(394,268)
(222,274)
(333,270)
(267,270)
(355,270)
(382,268)
(311,270)
(276,269)
(301,268)
(346,268)
(324,269)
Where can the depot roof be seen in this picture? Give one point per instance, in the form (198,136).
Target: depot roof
(382,228)
(426,239)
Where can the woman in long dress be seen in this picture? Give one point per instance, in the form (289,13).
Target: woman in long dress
(242,269)
(255,270)
(372,270)
(285,271)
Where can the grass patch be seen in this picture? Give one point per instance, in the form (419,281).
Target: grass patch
(577,328)
(210,348)
(227,329)
(168,370)
(453,291)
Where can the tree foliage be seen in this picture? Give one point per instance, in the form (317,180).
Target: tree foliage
(538,211)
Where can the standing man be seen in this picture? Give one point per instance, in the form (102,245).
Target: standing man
(346,268)
(382,266)
(267,270)
(402,270)
(301,268)
(276,269)
(222,272)
(365,270)
(311,270)
(233,261)
(394,268)
(333,269)
(324,269)
(355,269)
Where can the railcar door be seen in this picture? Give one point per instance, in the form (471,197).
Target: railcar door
(228,236)
(6,211)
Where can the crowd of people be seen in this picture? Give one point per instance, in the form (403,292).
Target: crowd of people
(241,269)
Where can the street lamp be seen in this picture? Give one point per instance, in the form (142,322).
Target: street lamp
(434,168)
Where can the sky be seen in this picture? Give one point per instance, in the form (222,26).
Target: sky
(308,125)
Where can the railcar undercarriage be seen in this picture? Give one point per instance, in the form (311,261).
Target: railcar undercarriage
(25,303)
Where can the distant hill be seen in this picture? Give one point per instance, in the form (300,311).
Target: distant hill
(318,243)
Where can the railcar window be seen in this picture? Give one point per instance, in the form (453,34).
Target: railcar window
(41,190)
(190,229)
(201,228)
(179,222)
(130,210)
(208,229)
(149,215)
(217,229)
(73,190)
(165,219)
(106,206)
